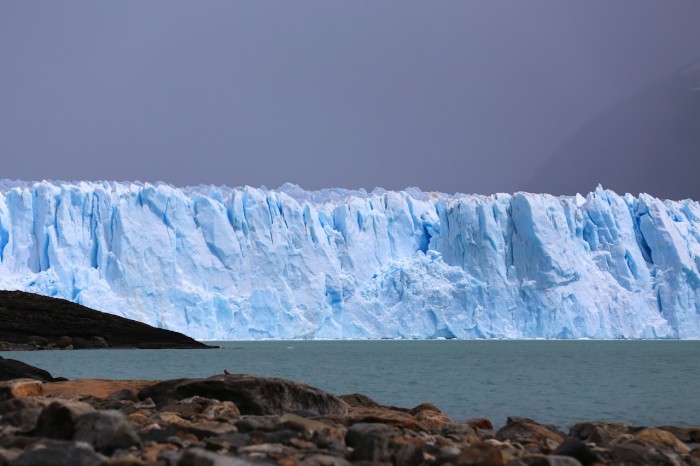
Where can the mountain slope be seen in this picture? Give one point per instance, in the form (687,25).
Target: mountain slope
(649,142)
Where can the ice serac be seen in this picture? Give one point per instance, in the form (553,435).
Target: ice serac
(222,263)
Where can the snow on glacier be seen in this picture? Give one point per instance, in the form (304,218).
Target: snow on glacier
(246,263)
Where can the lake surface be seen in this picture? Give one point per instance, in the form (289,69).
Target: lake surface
(559,382)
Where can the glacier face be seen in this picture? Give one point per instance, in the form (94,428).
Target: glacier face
(222,263)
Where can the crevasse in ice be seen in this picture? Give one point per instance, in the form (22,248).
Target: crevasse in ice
(247,263)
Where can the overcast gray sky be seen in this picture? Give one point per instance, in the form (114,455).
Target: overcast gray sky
(468,96)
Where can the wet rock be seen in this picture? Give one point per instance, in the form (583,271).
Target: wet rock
(19,388)
(13,369)
(576,448)
(59,453)
(600,433)
(532,435)
(58,419)
(106,431)
(481,454)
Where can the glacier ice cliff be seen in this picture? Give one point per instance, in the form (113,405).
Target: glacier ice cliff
(246,263)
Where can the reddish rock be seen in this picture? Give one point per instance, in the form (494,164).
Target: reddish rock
(20,388)
(660,439)
(480,422)
(384,416)
(534,436)
(481,454)
(358,400)
(684,434)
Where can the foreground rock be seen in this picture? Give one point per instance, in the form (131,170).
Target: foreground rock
(11,369)
(243,420)
(252,395)
(66,325)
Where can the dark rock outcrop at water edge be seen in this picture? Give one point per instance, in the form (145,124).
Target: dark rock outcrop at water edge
(30,321)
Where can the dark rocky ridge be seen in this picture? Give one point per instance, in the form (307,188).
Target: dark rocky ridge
(31,321)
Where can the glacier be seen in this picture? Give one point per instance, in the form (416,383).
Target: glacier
(252,263)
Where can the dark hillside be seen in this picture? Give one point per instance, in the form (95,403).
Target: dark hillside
(29,320)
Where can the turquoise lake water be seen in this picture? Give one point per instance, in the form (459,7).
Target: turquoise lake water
(558,382)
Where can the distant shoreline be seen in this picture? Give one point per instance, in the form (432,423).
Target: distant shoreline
(35,322)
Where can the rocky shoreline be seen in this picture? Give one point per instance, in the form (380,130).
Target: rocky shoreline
(240,420)
(31,322)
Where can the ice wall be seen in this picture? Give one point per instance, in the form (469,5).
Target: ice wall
(221,263)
